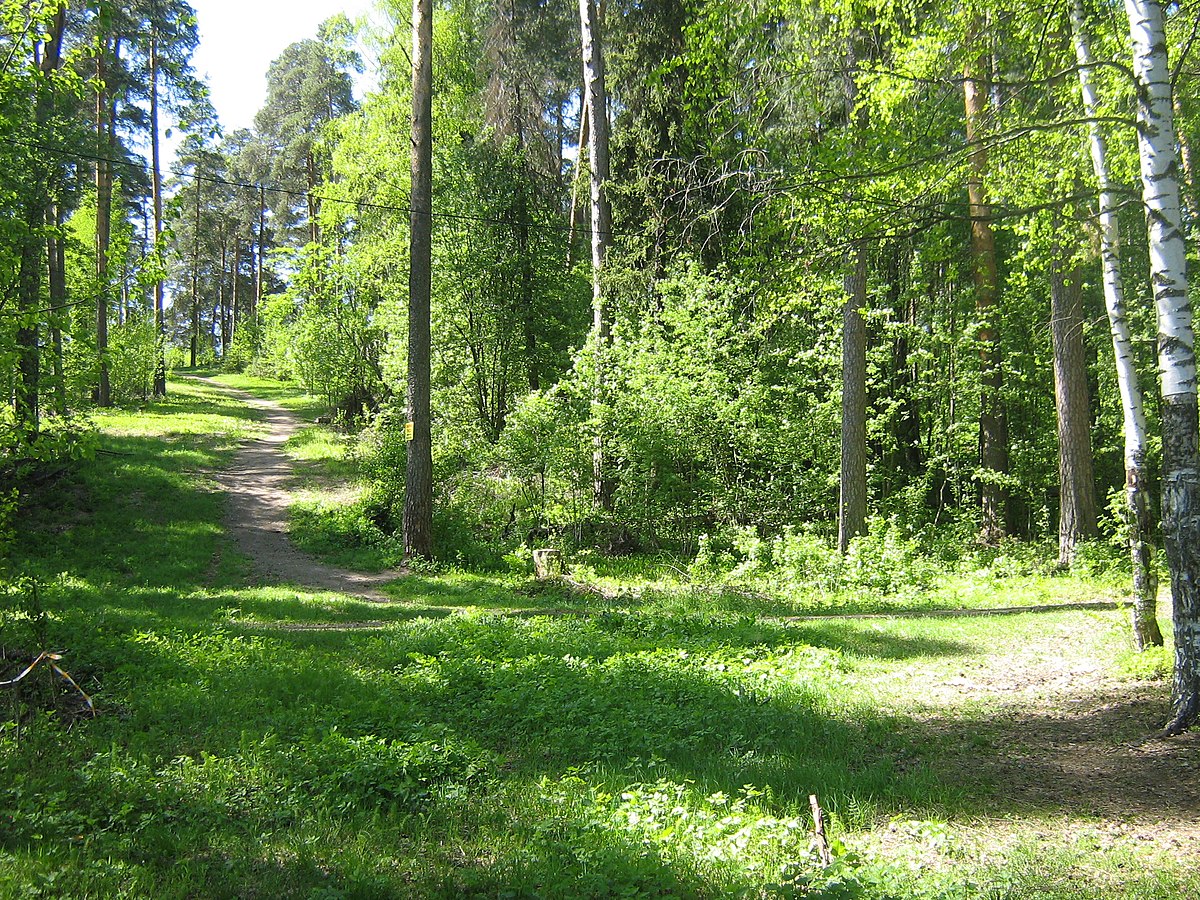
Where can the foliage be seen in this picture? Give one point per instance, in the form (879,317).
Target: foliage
(629,747)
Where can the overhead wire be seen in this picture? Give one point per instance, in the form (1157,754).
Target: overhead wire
(211,178)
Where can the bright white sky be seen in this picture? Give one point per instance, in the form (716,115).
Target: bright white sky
(240,38)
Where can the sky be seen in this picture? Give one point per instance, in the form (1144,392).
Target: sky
(239,38)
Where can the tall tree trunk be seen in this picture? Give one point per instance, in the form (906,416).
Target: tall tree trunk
(1077,491)
(160,333)
(904,459)
(34,211)
(237,313)
(852,505)
(581,155)
(104,186)
(223,301)
(29,287)
(1146,632)
(418,494)
(1176,350)
(259,252)
(196,277)
(993,425)
(314,224)
(596,93)
(57,272)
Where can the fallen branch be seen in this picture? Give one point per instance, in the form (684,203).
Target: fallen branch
(51,660)
(822,842)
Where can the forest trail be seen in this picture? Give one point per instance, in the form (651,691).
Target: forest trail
(258,485)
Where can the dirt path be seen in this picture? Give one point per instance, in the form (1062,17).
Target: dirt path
(1044,731)
(259,486)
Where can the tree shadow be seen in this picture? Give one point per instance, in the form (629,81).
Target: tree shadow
(1099,754)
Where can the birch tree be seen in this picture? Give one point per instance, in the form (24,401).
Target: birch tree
(1145,574)
(1176,349)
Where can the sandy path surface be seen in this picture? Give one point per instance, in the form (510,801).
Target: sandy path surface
(259,484)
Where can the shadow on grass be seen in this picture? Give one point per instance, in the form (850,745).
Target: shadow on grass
(1098,757)
(188,777)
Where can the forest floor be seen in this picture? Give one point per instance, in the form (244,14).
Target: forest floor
(273,725)
(260,484)
(1060,732)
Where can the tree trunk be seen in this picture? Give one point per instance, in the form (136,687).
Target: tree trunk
(160,335)
(1176,350)
(993,426)
(104,185)
(29,293)
(223,301)
(258,257)
(196,277)
(57,271)
(904,459)
(236,313)
(314,224)
(1077,487)
(35,211)
(852,506)
(596,93)
(584,139)
(418,495)
(1140,525)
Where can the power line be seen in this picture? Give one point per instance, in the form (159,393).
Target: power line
(271,189)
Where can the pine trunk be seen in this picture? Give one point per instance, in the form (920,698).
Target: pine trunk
(104,186)
(418,495)
(57,271)
(993,425)
(1176,350)
(1077,488)
(160,366)
(259,252)
(196,278)
(852,506)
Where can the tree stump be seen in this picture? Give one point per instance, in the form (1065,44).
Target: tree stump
(547,563)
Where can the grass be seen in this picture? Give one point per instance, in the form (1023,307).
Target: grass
(485,736)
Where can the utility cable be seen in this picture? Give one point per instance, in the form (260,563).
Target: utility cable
(287,192)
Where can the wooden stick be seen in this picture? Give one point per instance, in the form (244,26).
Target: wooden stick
(823,851)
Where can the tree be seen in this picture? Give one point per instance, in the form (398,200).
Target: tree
(46,59)
(852,479)
(993,427)
(172,38)
(308,86)
(418,497)
(1176,350)
(1145,576)
(1077,489)
(596,93)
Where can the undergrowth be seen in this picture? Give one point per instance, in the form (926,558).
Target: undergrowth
(651,734)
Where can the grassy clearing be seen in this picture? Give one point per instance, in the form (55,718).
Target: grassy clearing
(484,736)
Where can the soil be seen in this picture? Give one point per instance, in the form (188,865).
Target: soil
(259,484)
(1046,731)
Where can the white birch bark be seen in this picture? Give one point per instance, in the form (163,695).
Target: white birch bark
(1176,348)
(1145,577)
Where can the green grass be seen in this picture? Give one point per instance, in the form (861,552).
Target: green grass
(481,735)
(289,395)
